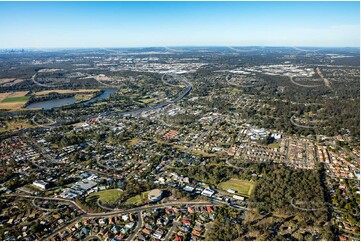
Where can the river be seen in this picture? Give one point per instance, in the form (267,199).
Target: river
(70,100)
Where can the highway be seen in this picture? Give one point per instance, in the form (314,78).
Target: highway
(179,97)
(302,85)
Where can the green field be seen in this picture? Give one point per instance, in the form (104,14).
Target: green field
(134,141)
(242,187)
(147,100)
(15,99)
(274,145)
(111,195)
(138,199)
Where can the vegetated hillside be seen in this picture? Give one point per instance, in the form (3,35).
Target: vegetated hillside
(289,205)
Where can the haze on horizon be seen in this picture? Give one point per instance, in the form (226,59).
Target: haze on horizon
(145,24)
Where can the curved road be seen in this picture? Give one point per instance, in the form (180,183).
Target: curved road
(180,96)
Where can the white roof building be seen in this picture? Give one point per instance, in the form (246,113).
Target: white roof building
(41,184)
(208,192)
(188,189)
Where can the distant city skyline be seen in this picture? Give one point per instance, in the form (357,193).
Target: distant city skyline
(157,24)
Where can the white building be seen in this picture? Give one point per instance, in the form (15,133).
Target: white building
(188,189)
(208,192)
(155,195)
(231,191)
(40,184)
(238,197)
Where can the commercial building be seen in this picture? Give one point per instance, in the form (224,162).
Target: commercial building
(41,184)
(208,192)
(155,195)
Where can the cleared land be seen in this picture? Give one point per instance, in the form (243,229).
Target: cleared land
(13,100)
(79,124)
(199,152)
(11,95)
(10,81)
(134,141)
(3,96)
(242,187)
(84,96)
(274,145)
(14,125)
(6,80)
(60,91)
(148,100)
(111,195)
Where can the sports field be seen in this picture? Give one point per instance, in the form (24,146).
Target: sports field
(242,187)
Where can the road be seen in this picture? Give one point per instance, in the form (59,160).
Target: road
(300,125)
(180,96)
(92,238)
(326,81)
(44,209)
(145,207)
(74,204)
(174,226)
(59,123)
(302,85)
(117,213)
(139,226)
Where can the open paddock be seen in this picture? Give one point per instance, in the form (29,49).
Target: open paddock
(61,91)
(13,100)
(243,188)
(6,80)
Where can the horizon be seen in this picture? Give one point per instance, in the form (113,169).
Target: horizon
(179,24)
(182,46)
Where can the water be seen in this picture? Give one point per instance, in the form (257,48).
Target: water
(67,101)
(105,95)
(53,103)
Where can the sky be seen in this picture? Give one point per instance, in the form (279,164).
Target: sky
(144,24)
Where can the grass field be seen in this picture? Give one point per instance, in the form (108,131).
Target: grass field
(134,141)
(205,154)
(60,91)
(13,100)
(10,81)
(14,125)
(111,195)
(147,100)
(6,80)
(181,147)
(274,145)
(79,124)
(242,187)
(84,96)
(138,199)
(5,95)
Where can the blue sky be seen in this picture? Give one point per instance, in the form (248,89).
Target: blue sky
(138,24)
